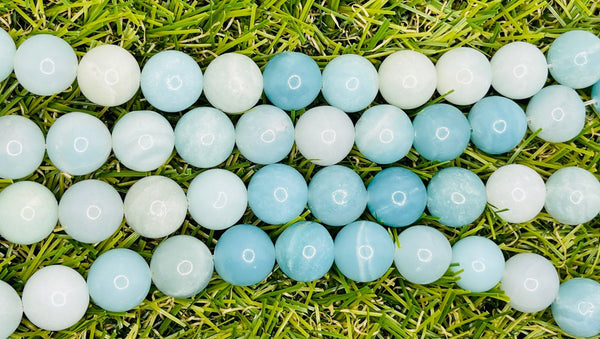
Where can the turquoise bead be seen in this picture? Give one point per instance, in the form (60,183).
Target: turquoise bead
(171,81)
(576,309)
(572,196)
(481,262)
(364,251)
(181,266)
(11,310)
(456,196)
(304,251)
(292,80)
(119,280)
(574,59)
(244,255)
(7,54)
(22,147)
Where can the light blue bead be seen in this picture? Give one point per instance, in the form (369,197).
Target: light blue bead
(442,132)
(244,255)
(22,147)
(264,134)
(304,251)
(364,251)
(277,194)
(181,266)
(384,134)
(572,196)
(336,195)
(11,310)
(576,309)
(424,254)
(90,211)
(397,197)
(292,80)
(350,83)
(204,137)
(498,124)
(171,81)
(45,64)
(481,262)
(456,195)
(78,143)
(7,54)
(596,96)
(574,59)
(119,280)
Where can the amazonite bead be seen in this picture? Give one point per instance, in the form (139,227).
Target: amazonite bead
(22,146)
(559,111)
(364,251)
(155,206)
(407,79)
(45,64)
(108,75)
(181,266)
(171,81)
(143,140)
(244,255)
(28,212)
(119,280)
(576,308)
(596,96)
(90,211)
(78,143)
(233,83)
(204,137)
(11,309)
(466,72)
(423,255)
(7,54)
(574,59)
(55,298)
(350,83)
(481,262)
(217,199)
(519,70)
(304,251)
(530,281)
(384,134)
(264,134)
(572,196)
(324,135)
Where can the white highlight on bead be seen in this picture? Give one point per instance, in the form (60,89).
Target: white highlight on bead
(499,126)
(580,59)
(386,136)
(58,298)
(399,198)
(309,251)
(47,66)
(221,200)
(248,255)
(518,194)
(14,148)
(576,197)
(558,114)
(531,284)
(80,144)
(424,255)
(145,141)
(93,212)
(111,77)
(478,266)
(174,82)
(339,196)
(121,282)
(410,81)
(365,252)
(328,136)
(294,82)
(464,76)
(268,136)
(442,133)
(520,71)
(158,208)
(185,267)
(352,84)
(27,213)
(458,198)
(207,139)
(280,194)
(584,308)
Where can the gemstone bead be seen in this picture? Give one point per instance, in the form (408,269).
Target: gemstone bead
(11,309)
(572,196)
(7,54)
(22,147)
(519,70)
(466,72)
(481,262)
(575,309)
(574,59)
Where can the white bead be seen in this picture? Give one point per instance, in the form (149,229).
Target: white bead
(519,70)
(466,72)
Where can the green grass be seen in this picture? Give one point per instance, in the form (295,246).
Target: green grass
(333,306)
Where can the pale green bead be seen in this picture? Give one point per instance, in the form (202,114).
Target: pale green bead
(11,310)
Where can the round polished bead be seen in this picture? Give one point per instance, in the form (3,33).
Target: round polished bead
(292,80)
(480,263)
(304,251)
(7,54)
(119,280)
(45,64)
(530,281)
(143,140)
(424,254)
(217,199)
(181,266)
(442,132)
(78,143)
(277,194)
(576,308)
(108,75)
(324,135)
(244,255)
(573,196)
(498,124)
(519,70)
(55,298)
(574,59)
(204,137)
(466,72)
(171,81)
(456,196)
(559,111)
(264,134)
(28,212)
(22,147)
(11,309)
(350,83)
(407,79)
(233,83)
(364,251)
(336,195)
(384,134)
(596,96)
(397,197)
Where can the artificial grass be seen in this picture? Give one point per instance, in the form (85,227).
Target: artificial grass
(333,306)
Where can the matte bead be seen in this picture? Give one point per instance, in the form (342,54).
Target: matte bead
(7,54)
(572,196)
(576,308)
(481,262)
(466,72)
(574,59)
(22,147)
(11,309)
(350,83)
(519,70)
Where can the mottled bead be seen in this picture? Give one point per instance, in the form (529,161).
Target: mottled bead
(466,72)
(572,196)
(22,146)
(574,59)
(576,308)
(11,309)
(481,262)
(7,54)
(519,70)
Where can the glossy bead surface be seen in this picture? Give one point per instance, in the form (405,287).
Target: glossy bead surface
(350,83)
(7,54)
(519,70)
(22,146)
(572,196)
(11,309)
(466,72)
(574,59)
(596,96)
(481,262)
(576,308)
